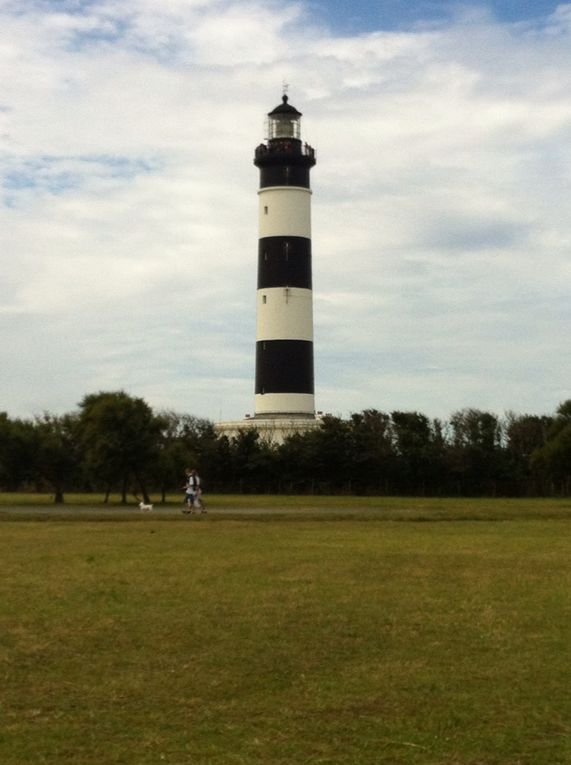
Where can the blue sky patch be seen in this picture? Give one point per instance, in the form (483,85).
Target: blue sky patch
(371,15)
(59,175)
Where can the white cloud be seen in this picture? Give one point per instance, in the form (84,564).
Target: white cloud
(128,230)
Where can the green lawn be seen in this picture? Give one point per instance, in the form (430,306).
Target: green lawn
(300,639)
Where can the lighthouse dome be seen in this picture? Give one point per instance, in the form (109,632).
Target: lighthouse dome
(285,108)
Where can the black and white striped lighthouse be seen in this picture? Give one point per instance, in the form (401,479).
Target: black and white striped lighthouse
(284,326)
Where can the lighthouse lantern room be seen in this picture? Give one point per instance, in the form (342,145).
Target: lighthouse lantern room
(283,122)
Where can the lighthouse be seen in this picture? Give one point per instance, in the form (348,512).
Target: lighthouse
(284,372)
(284,314)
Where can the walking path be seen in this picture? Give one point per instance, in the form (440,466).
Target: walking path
(159,511)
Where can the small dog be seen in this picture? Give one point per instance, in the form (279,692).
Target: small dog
(145,508)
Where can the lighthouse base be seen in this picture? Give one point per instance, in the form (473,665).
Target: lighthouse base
(273,429)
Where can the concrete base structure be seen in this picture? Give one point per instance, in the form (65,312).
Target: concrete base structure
(272,430)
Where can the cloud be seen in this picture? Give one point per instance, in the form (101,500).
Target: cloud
(128,230)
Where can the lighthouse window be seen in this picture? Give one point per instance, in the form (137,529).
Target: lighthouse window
(265,210)
(264,298)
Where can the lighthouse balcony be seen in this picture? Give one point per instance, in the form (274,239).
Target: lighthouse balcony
(290,150)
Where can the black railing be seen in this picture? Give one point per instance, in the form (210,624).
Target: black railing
(284,146)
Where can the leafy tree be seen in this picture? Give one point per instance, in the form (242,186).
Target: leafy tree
(328,456)
(185,441)
(201,440)
(16,452)
(372,456)
(554,458)
(419,447)
(524,435)
(217,464)
(174,452)
(251,461)
(56,454)
(475,454)
(120,437)
(291,467)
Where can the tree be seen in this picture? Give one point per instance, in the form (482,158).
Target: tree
(251,461)
(291,466)
(120,437)
(418,444)
(372,455)
(475,453)
(554,458)
(16,452)
(185,441)
(524,435)
(328,456)
(174,453)
(199,437)
(56,458)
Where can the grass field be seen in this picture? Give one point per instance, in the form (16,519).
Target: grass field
(286,631)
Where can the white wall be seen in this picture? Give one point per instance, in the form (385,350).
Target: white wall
(285,211)
(284,313)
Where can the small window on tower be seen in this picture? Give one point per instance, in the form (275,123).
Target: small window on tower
(265,210)
(264,298)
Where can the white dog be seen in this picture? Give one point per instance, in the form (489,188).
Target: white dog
(145,508)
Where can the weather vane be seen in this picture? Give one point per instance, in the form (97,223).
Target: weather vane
(285,87)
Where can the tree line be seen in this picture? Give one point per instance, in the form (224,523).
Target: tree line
(115,442)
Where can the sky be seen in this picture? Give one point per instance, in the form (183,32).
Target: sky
(441,228)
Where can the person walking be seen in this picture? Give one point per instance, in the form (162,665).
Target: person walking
(188,492)
(197,504)
(193,493)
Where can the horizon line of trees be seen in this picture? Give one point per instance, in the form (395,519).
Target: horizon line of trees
(115,442)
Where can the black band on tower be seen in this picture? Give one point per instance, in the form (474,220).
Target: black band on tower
(284,175)
(284,366)
(284,261)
